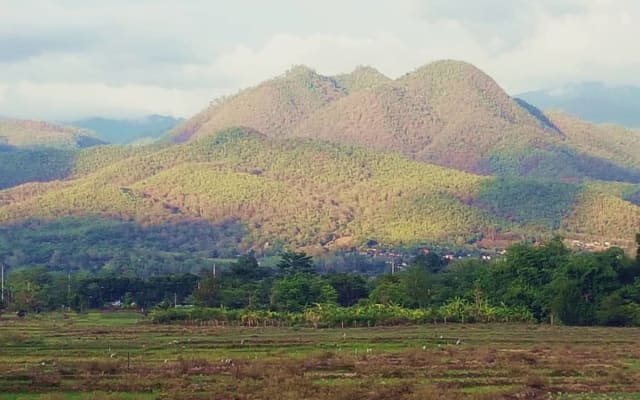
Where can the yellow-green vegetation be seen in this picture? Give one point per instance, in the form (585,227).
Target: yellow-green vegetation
(608,142)
(123,356)
(603,215)
(361,78)
(280,179)
(447,112)
(301,192)
(24,133)
(18,166)
(272,108)
(305,193)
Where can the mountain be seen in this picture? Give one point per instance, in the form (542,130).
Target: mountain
(605,141)
(37,151)
(27,133)
(123,131)
(448,113)
(314,194)
(298,192)
(361,78)
(439,155)
(273,107)
(591,101)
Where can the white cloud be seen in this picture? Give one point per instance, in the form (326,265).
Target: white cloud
(68,101)
(169,56)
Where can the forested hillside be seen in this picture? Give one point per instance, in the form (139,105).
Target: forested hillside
(24,133)
(318,195)
(447,113)
(441,155)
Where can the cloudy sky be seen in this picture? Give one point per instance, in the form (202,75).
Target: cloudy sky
(65,59)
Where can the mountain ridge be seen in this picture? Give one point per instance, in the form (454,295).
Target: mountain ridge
(592,101)
(439,155)
(126,131)
(31,133)
(447,112)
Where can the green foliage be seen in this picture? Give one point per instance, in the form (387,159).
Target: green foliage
(528,202)
(349,287)
(296,263)
(298,291)
(35,165)
(532,283)
(558,163)
(300,193)
(125,248)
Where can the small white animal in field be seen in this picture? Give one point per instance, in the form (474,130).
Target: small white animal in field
(112,355)
(458,341)
(424,347)
(369,350)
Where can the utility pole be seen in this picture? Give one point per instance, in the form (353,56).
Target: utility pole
(2,291)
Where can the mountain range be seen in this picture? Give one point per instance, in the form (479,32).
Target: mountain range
(124,131)
(27,133)
(591,101)
(439,155)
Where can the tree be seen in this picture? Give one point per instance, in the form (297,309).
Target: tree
(431,262)
(293,263)
(295,292)
(521,278)
(349,287)
(208,291)
(418,284)
(246,268)
(388,289)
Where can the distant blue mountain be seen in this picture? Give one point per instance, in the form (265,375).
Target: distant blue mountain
(123,131)
(592,101)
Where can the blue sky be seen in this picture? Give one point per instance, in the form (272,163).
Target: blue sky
(65,59)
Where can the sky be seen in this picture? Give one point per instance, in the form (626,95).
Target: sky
(67,59)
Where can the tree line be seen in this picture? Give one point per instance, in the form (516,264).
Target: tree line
(533,282)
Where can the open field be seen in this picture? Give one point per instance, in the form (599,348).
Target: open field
(121,356)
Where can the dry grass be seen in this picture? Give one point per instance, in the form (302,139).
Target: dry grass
(177,362)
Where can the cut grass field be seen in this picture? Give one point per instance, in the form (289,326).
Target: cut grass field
(122,356)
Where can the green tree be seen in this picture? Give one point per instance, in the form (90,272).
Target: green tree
(296,262)
(349,287)
(417,282)
(295,292)
(431,262)
(208,291)
(388,289)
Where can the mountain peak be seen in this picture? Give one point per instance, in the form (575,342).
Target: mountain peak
(297,71)
(447,72)
(363,76)
(31,133)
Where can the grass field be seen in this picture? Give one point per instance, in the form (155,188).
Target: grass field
(121,356)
